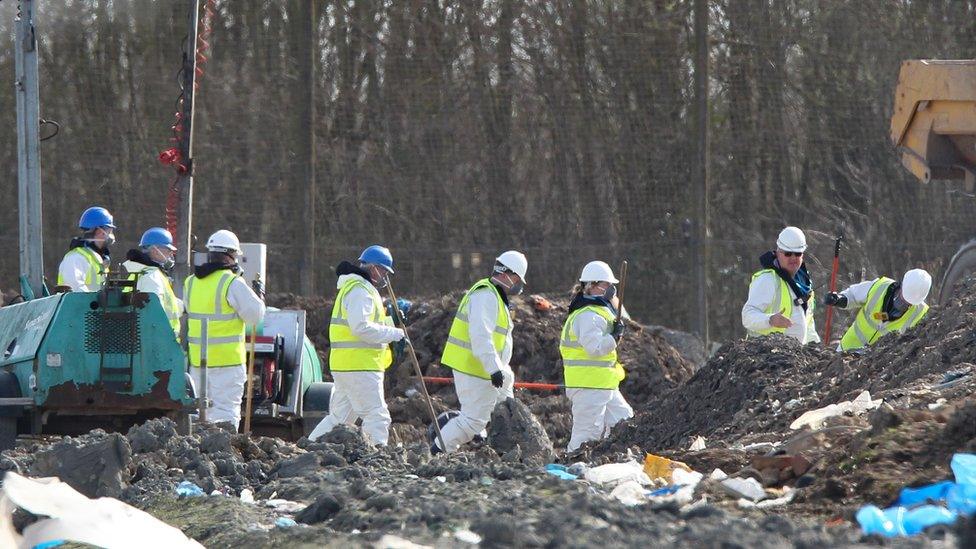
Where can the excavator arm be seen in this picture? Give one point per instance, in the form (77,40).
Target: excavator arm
(934,120)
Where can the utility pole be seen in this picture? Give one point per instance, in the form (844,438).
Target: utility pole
(306,58)
(28,149)
(184,229)
(700,175)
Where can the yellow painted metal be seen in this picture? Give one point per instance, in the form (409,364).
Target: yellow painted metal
(934,119)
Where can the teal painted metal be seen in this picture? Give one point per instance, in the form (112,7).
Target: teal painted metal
(91,340)
(311,365)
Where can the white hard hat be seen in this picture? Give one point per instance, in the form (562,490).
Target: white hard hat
(792,239)
(598,271)
(224,241)
(915,286)
(515,262)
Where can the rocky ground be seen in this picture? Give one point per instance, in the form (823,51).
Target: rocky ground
(341,492)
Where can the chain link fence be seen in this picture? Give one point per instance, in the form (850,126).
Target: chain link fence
(453,130)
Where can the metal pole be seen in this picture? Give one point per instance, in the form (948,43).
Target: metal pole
(701,166)
(308,55)
(203,401)
(28,149)
(185,183)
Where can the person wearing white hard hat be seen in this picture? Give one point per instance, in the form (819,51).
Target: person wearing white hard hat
(479,349)
(217,294)
(588,346)
(884,306)
(360,334)
(781,294)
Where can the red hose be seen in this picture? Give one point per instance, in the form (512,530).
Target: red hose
(532,386)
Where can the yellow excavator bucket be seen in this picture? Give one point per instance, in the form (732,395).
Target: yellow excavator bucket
(934,121)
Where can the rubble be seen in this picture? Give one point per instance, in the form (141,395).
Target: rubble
(513,428)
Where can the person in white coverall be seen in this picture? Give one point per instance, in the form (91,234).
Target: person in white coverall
(588,346)
(479,349)
(218,294)
(360,333)
(84,266)
(781,297)
(883,306)
(148,265)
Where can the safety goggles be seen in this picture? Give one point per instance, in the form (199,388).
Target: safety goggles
(792,254)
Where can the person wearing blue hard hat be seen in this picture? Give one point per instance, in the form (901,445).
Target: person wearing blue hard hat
(148,266)
(360,333)
(83,268)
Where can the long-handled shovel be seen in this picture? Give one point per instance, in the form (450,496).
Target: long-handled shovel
(416,363)
(833,287)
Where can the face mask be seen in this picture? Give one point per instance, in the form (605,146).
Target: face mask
(610,293)
(512,288)
(167,264)
(378,274)
(109,239)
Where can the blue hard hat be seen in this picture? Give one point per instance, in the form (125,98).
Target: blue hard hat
(377,255)
(95,217)
(157,236)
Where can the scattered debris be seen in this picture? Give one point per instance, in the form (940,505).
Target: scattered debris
(815,419)
(103,522)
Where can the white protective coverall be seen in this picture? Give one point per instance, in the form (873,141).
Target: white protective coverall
(360,394)
(152,281)
(762,291)
(477,396)
(595,411)
(225,386)
(73,270)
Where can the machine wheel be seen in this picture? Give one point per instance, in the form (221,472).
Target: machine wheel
(315,405)
(8,432)
(962,265)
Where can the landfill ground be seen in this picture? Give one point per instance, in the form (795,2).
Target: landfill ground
(341,492)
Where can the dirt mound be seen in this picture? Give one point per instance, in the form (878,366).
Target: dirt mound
(348,493)
(739,390)
(942,343)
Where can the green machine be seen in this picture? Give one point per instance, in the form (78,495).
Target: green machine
(71,362)
(77,361)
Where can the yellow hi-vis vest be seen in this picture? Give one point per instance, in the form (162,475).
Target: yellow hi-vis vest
(206,299)
(348,353)
(582,371)
(457,351)
(870,324)
(95,277)
(781,303)
(168,299)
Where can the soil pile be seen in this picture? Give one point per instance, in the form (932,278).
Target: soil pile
(740,390)
(343,493)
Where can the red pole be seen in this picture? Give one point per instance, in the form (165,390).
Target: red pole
(833,287)
(518,384)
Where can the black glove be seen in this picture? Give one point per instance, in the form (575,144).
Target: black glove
(399,348)
(618,330)
(258,287)
(498,379)
(834,299)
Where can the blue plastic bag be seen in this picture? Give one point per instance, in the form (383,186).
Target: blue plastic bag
(188,490)
(964,467)
(961,498)
(560,471)
(920,518)
(875,521)
(922,494)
